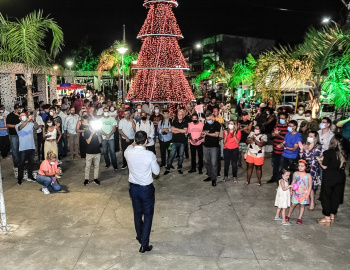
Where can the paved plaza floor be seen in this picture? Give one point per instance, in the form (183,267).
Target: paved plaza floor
(195,226)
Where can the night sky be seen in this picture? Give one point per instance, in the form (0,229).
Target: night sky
(100,22)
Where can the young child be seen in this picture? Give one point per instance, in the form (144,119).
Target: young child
(302,184)
(283,197)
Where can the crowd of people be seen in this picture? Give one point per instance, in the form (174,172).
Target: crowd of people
(305,152)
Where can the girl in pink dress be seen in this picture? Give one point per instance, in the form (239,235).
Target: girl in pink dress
(302,184)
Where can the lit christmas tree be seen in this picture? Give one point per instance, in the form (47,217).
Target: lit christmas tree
(160,63)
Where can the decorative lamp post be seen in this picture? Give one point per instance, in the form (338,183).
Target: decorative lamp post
(122,51)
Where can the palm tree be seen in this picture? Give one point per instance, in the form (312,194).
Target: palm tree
(23,41)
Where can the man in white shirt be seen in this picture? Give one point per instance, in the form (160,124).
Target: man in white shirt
(142,163)
(70,127)
(127,127)
(300,116)
(325,133)
(148,127)
(148,107)
(100,110)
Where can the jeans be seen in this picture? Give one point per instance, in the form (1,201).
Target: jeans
(163,150)
(46,181)
(15,150)
(96,159)
(286,164)
(211,156)
(176,148)
(276,164)
(26,155)
(194,149)
(108,150)
(124,145)
(40,142)
(231,157)
(143,200)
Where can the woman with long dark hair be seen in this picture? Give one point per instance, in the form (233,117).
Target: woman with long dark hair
(333,180)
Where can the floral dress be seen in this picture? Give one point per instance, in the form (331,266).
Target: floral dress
(302,184)
(310,157)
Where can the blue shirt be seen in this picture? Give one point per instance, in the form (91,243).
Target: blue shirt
(167,137)
(346,131)
(291,140)
(3,132)
(26,137)
(44,116)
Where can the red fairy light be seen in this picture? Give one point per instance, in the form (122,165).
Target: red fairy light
(160,63)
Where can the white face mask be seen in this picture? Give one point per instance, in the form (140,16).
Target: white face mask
(310,139)
(230,126)
(49,124)
(52,163)
(301,111)
(322,125)
(112,109)
(139,110)
(51,113)
(37,113)
(308,118)
(24,118)
(105,114)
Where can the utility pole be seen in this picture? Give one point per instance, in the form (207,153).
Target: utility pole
(124,40)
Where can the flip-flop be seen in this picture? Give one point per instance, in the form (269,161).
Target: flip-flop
(279,218)
(286,223)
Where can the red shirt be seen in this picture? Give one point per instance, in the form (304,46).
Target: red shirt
(231,141)
(46,166)
(121,114)
(276,141)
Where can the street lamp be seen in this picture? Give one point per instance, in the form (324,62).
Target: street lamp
(198,46)
(55,67)
(122,51)
(134,62)
(327,20)
(70,64)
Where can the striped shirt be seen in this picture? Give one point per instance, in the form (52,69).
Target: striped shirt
(276,141)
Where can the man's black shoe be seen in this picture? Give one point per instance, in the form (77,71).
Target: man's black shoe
(180,171)
(270,181)
(86,182)
(97,182)
(213,183)
(144,249)
(207,179)
(192,170)
(172,167)
(166,172)
(19,183)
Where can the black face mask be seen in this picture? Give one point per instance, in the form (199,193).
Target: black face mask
(85,117)
(143,118)
(195,121)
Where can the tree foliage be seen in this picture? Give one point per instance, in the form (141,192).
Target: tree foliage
(84,57)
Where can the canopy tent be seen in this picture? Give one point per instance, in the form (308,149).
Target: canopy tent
(68,86)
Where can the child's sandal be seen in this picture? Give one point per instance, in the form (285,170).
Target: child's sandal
(299,221)
(287,219)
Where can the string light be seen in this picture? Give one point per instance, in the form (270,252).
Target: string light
(160,63)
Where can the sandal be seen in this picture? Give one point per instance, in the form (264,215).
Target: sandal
(299,221)
(258,184)
(287,219)
(247,183)
(324,221)
(277,218)
(333,219)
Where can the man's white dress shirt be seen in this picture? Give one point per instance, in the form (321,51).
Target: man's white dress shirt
(141,163)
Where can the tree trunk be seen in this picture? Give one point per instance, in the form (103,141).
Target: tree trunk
(347,22)
(316,102)
(28,77)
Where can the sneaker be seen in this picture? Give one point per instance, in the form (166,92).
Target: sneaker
(180,171)
(19,183)
(31,180)
(45,190)
(107,166)
(124,167)
(225,179)
(192,170)
(97,182)
(207,179)
(86,182)
(166,172)
(286,223)
(116,169)
(213,183)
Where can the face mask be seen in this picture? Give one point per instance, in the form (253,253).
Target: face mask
(1,117)
(301,111)
(1,111)
(166,115)
(139,110)
(210,122)
(290,129)
(310,139)
(21,110)
(85,117)
(282,121)
(144,118)
(308,118)
(49,124)
(112,109)
(24,118)
(51,113)
(322,125)
(256,131)
(37,113)
(52,163)
(195,121)
(156,111)
(105,114)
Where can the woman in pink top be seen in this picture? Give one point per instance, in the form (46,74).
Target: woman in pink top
(48,173)
(232,137)
(195,129)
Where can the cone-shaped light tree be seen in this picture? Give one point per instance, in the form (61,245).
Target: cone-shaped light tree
(160,64)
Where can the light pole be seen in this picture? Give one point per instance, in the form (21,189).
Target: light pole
(122,51)
(327,20)
(70,64)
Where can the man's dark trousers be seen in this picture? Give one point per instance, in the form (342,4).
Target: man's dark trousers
(143,200)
